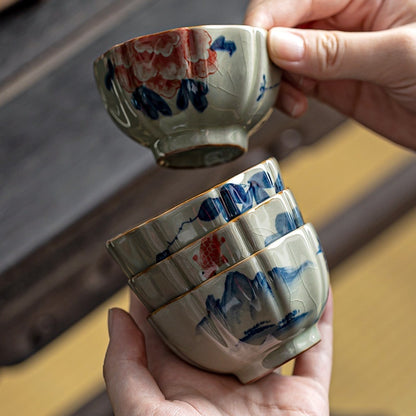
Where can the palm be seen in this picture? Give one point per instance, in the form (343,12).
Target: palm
(154,381)
(197,393)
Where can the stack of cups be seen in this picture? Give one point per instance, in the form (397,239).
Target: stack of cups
(233,279)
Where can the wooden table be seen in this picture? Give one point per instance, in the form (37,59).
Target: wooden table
(70,179)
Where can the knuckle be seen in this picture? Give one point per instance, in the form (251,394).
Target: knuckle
(329,49)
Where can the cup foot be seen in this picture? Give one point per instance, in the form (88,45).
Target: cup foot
(284,353)
(208,147)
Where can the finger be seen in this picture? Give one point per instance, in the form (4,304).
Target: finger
(334,55)
(303,84)
(271,13)
(130,386)
(160,358)
(316,363)
(291,101)
(154,345)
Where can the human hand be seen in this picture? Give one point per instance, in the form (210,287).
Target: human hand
(359,57)
(144,377)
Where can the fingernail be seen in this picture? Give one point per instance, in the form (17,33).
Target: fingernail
(286,45)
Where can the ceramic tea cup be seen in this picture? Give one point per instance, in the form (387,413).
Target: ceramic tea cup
(192,95)
(156,239)
(218,250)
(254,316)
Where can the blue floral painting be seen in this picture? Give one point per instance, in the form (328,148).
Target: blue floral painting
(234,200)
(284,223)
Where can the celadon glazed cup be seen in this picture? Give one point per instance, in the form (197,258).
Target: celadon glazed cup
(192,95)
(158,238)
(254,316)
(218,250)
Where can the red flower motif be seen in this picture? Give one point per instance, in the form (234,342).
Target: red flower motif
(210,257)
(161,61)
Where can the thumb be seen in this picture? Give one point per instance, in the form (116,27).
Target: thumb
(130,385)
(331,55)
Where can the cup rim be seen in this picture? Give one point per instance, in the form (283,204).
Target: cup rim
(286,191)
(161,32)
(302,229)
(187,201)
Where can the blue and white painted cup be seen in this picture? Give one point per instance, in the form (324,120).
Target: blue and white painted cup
(148,243)
(218,250)
(192,95)
(255,316)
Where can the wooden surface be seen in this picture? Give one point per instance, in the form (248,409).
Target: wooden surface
(73,179)
(59,150)
(375,342)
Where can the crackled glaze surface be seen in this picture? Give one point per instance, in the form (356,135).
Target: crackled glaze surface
(254,316)
(221,248)
(192,95)
(156,239)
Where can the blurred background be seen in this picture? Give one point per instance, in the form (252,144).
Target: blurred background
(70,180)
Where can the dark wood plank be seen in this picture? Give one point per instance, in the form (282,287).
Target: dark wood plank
(72,180)
(59,150)
(27,32)
(61,282)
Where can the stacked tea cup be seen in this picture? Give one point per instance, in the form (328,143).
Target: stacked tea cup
(233,278)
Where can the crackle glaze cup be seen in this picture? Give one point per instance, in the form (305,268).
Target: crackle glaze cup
(192,95)
(156,239)
(254,316)
(218,250)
